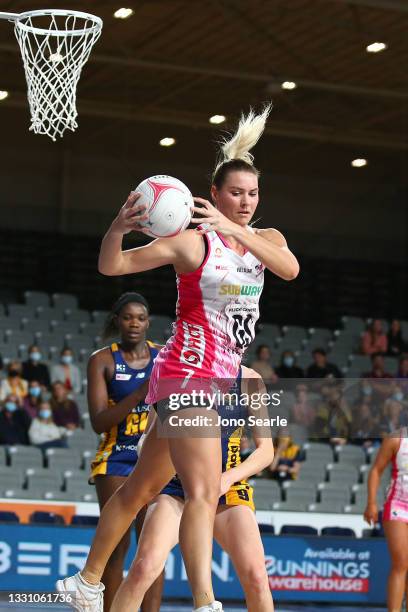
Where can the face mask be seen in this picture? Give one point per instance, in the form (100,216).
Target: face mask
(13,373)
(66,359)
(35,356)
(288,361)
(35,391)
(399,396)
(45,413)
(11,406)
(367,390)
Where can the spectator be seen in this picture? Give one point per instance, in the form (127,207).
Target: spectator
(365,427)
(394,417)
(302,412)
(262,364)
(14,383)
(333,416)
(287,460)
(374,339)
(403,373)
(379,377)
(35,369)
(33,399)
(65,411)
(44,433)
(322,368)
(14,422)
(67,372)
(288,367)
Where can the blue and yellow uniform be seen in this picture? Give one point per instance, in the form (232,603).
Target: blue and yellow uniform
(117,454)
(241,493)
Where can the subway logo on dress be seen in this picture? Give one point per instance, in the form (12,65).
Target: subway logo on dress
(240,290)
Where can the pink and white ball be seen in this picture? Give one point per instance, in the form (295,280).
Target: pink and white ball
(168,203)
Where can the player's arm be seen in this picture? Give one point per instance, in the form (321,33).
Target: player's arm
(262,456)
(387,450)
(183,249)
(103,417)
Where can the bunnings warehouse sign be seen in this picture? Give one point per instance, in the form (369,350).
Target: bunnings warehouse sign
(299,568)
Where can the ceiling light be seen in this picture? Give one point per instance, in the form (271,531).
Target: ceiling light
(359,163)
(3,95)
(123,13)
(216,119)
(376,47)
(288,85)
(167,142)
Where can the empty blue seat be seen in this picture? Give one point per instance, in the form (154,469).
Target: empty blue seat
(8,517)
(48,518)
(264,528)
(298,530)
(338,531)
(84,521)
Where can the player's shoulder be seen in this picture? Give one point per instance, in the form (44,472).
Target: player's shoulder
(273,235)
(100,355)
(249,373)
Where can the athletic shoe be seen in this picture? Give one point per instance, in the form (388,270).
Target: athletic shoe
(216,606)
(86,597)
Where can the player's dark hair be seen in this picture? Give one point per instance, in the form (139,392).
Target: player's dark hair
(110,327)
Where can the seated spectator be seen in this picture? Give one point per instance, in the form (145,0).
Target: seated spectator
(263,366)
(65,411)
(287,460)
(14,383)
(322,368)
(34,369)
(44,433)
(288,367)
(379,378)
(394,417)
(33,399)
(302,411)
(67,372)
(14,422)
(402,374)
(374,339)
(396,343)
(333,416)
(365,429)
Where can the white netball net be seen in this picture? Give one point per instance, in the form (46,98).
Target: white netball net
(55,45)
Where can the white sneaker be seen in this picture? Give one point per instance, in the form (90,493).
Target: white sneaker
(85,597)
(216,606)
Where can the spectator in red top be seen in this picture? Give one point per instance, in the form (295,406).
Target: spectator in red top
(374,339)
(64,410)
(32,401)
(378,376)
(396,343)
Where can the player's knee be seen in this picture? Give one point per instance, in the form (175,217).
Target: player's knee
(400,561)
(132,501)
(145,570)
(255,578)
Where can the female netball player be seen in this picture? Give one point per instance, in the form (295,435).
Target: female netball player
(394,450)
(235,527)
(220,278)
(115,396)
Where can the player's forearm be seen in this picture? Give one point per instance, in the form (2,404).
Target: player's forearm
(103,420)
(257,461)
(372,485)
(278,260)
(110,260)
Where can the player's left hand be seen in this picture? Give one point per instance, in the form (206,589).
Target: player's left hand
(212,219)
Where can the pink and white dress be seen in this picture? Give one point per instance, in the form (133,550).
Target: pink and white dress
(396,503)
(216,312)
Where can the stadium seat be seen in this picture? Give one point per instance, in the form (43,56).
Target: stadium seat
(300,496)
(312,472)
(19,338)
(49,313)
(84,521)
(8,517)
(62,459)
(46,518)
(342,473)
(99,316)
(77,315)
(319,452)
(298,530)
(36,298)
(90,497)
(289,506)
(25,456)
(18,311)
(17,493)
(338,531)
(56,495)
(320,336)
(266,529)
(333,506)
(353,324)
(46,480)
(3,456)
(11,477)
(64,301)
(333,491)
(350,454)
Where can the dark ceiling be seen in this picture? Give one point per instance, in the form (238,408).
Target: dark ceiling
(174,63)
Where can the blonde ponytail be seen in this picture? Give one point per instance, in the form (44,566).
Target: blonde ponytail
(238,146)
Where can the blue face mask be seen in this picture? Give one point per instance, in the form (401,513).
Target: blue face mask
(10,406)
(35,391)
(35,356)
(367,390)
(288,361)
(45,413)
(66,359)
(399,396)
